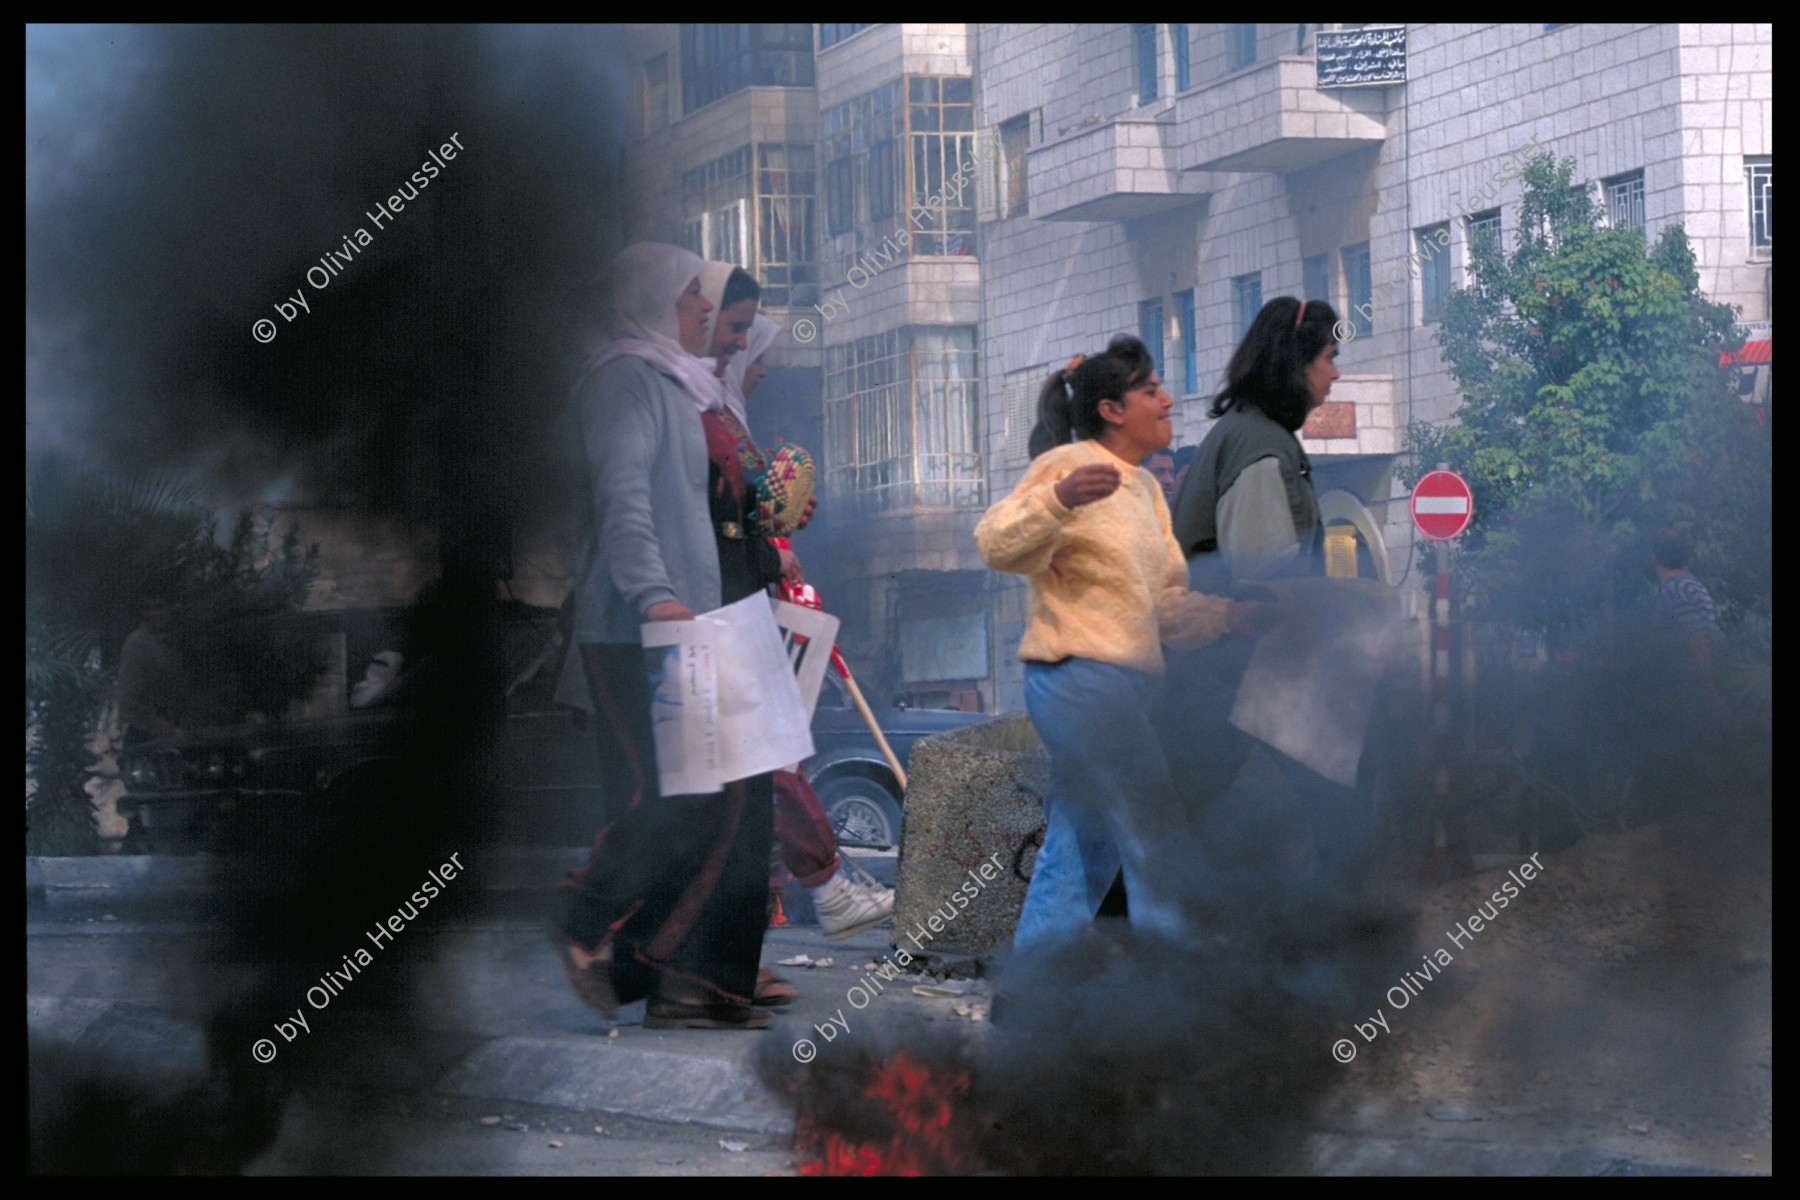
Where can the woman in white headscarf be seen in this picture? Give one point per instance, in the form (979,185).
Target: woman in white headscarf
(670,904)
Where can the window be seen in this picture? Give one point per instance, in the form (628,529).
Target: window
(840,197)
(1190,352)
(1246,290)
(1020,399)
(1359,288)
(785,191)
(1150,328)
(1485,224)
(713,198)
(1243,46)
(941,119)
(717,60)
(883,182)
(656,93)
(848,132)
(831,35)
(1015,141)
(1433,256)
(1759,173)
(1315,278)
(1625,201)
(1145,36)
(1178,37)
(727,241)
(901,157)
(903,419)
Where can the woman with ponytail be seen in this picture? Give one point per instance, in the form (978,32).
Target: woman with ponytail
(1089,528)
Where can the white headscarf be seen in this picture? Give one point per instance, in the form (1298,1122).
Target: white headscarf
(763,332)
(647,281)
(713,278)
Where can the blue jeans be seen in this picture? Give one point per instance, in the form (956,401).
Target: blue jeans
(1110,803)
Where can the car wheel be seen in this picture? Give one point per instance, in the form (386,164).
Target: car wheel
(862,811)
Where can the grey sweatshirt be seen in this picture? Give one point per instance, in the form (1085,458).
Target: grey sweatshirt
(646,533)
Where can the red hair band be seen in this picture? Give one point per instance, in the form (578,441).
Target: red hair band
(1300,315)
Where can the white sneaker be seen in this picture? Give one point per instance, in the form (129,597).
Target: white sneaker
(845,908)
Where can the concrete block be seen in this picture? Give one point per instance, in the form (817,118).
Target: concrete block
(974,799)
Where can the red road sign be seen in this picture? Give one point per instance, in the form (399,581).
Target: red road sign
(1442,505)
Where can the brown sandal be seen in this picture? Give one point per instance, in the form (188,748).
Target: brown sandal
(674,1014)
(772,991)
(593,982)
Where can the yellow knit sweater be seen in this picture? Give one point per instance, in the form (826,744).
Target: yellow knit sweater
(1107,579)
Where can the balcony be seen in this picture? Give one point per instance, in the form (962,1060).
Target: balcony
(1117,170)
(1273,117)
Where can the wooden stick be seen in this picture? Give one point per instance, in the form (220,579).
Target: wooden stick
(887,751)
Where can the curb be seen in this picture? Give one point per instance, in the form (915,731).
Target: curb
(598,1077)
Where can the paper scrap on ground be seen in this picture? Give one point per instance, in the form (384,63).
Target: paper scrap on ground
(1309,690)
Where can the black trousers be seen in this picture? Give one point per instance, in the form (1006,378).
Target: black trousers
(677,884)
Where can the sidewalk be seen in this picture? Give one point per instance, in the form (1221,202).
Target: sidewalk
(506,1031)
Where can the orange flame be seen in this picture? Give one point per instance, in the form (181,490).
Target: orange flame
(926,1139)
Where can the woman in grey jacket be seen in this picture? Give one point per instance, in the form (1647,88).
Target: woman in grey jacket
(671,902)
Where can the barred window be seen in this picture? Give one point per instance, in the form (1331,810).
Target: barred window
(893,161)
(1625,201)
(941,117)
(786,185)
(1759,173)
(903,420)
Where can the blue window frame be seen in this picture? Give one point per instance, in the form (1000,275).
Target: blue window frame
(1146,62)
(1248,291)
(1190,372)
(1150,328)
(1178,37)
(1359,288)
(1243,46)
(1315,278)
(1434,271)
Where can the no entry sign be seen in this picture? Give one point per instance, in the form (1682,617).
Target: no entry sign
(1442,505)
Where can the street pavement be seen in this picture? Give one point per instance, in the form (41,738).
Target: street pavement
(520,1078)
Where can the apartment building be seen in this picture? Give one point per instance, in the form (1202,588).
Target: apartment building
(1168,179)
(835,163)
(943,213)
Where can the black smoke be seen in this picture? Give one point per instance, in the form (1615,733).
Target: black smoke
(180,182)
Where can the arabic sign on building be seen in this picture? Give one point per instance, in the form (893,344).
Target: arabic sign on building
(1362,57)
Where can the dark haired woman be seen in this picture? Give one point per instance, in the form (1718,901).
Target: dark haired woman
(1247,512)
(1089,527)
(1248,497)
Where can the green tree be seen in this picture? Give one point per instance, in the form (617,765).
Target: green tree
(93,542)
(1593,412)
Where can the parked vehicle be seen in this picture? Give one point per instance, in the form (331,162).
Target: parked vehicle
(211,788)
(853,779)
